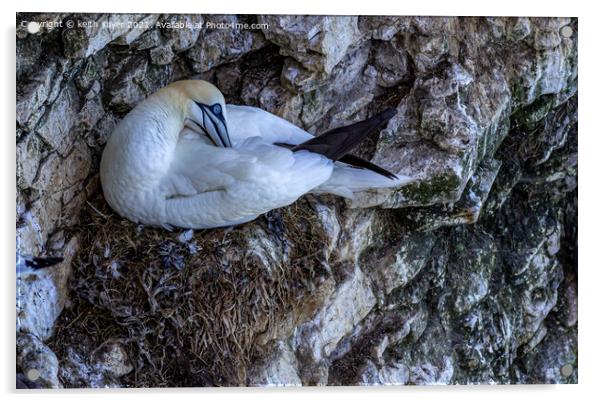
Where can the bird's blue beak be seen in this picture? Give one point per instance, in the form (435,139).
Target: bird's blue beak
(211,120)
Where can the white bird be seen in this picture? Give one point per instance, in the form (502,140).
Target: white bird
(183,158)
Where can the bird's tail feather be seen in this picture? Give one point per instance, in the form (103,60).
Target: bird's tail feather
(335,144)
(347,180)
(351,174)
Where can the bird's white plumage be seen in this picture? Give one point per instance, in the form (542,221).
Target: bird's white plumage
(158,170)
(345,180)
(236,185)
(248,121)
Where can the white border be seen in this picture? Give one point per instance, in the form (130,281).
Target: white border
(320,7)
(590,167)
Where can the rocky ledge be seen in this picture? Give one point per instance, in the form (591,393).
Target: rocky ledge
(468,275)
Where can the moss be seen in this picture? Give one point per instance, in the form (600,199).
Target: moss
(426,192)
(189,314)
(518,94)
(534,113)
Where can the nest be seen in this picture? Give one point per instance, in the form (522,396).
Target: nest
(189,308)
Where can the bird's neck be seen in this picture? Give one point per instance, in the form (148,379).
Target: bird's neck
(161,119)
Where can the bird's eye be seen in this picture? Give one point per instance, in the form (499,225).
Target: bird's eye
(217,109)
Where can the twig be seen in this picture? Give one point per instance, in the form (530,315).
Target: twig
(97,211)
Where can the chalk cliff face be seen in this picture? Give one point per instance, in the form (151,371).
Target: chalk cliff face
(468,275)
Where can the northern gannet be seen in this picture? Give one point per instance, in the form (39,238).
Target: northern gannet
(184,158)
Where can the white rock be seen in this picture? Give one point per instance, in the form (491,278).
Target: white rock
(280,370)
(42,294)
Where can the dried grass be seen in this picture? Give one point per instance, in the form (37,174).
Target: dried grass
(188,313)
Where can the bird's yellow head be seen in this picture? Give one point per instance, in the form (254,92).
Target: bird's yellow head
(204,109)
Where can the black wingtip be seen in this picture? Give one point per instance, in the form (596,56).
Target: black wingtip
(379,119)
(337,142)
(360,163)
